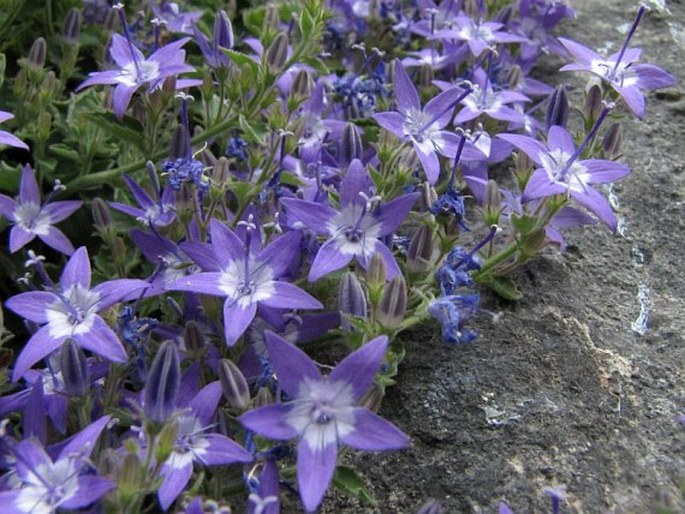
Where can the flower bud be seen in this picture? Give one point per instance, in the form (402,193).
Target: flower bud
(523,167)
(351,300)
(233,385)
(264,397)
(302,84)
(163,383)
(194,339)
(557,109)
(612,141)
(111,21)
(223,31)
(272,18)
(71,29)
(426,75)
(530,244)
(350,145)
(375,274)
(130,476)
(74,370)
(166,440)
(102,217)
(220,172)
(372,399)
(393,303)
(38,53)
(493,203)
(276,54)
(428,196)
(420,250)
(431,507)
(516,76)
(593,103)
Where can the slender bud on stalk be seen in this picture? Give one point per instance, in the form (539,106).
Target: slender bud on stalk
(351,300)
(130,476)
(264,397)
(163,383)
(613,139)
(119,250)
(593,103)
(71,30)
(233,385)
(277,53)
(111,22)
(350,146)
(393,303)
(302,84)
(426,75)
(431,507)
(102,217)
(223,30)
(493,203)
(557,110)
(421,249)
(372,399)
(272,18)
(193,339)
(428,196)
(38,53)
(375,274)
(166,440)
(523,167)
(516,76)
(74,370)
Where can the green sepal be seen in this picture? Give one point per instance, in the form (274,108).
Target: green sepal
(348,480)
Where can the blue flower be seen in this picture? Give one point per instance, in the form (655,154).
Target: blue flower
(452,312)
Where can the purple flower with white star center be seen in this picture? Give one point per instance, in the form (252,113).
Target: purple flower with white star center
(44,485)
(245,279)
(323,412)
(135,70)
(32,219)
(70,310)
(424,126)
(356,229)
(478,35)
(196,444)
(8,139)
(560,171)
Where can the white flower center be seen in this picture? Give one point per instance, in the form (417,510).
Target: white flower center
(256,286)
(75,314)
(48,486)
(146,71)
(30,218)
(555,166)
(355,236)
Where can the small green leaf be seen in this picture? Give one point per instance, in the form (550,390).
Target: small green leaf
(258,131)
(348,480)
(128,129)
(317,64)
(242,61)
(66,152)
(503,286)
(307,24)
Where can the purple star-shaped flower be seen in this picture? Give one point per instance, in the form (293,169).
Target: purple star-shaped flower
(479,35)
(356,229)
(245,279)
(424,127)
(8,139)
(45,485)
(323,412)
(134,70)
(159,211)
(196,444)
(31,219)
(560,171)
(70,310)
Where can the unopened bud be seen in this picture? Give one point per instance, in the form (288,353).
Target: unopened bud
(166,440)
(277,53)
(557,109)
(220,172)
(613,139)
(71,29)
(372,399)
(74,370)
(428,196)
(264,397)
(169,87)
(130,476)
(426,75)
(493,203)
(302,84)
(111,22)
(593,103)
(393,303)
(375,274)
(530,244)
(351,300)
(350,145)
(38,53)
(523,167)
(272,18)
(223,31)
(233,385)
(49,85)
(516,76)
(194,339)
(119,249)
(431,507)
(421,250)
(102,217)
(163,383)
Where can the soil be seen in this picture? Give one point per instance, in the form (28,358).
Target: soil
(564,390)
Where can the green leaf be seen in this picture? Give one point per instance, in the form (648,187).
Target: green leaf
(307,24)
(242,61)
(257,131)
(66,152)
(503,286)
(317,64)
(524,224)
(348,480)
(128,129)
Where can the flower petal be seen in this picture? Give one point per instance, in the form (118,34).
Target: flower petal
(359,368)
(406,96)
(391,121)
(32,305)
(102,340)
(329,258)
(313,215)
(289,296)
(314,472)
(29,192)
(222,451)
(371,432)
(236,319)
(77,270)
(204,283)
(292,365)
(19,238)
(39,346)
(356,181)
(90,489)
(269,421)
(56,239)
(175,481)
